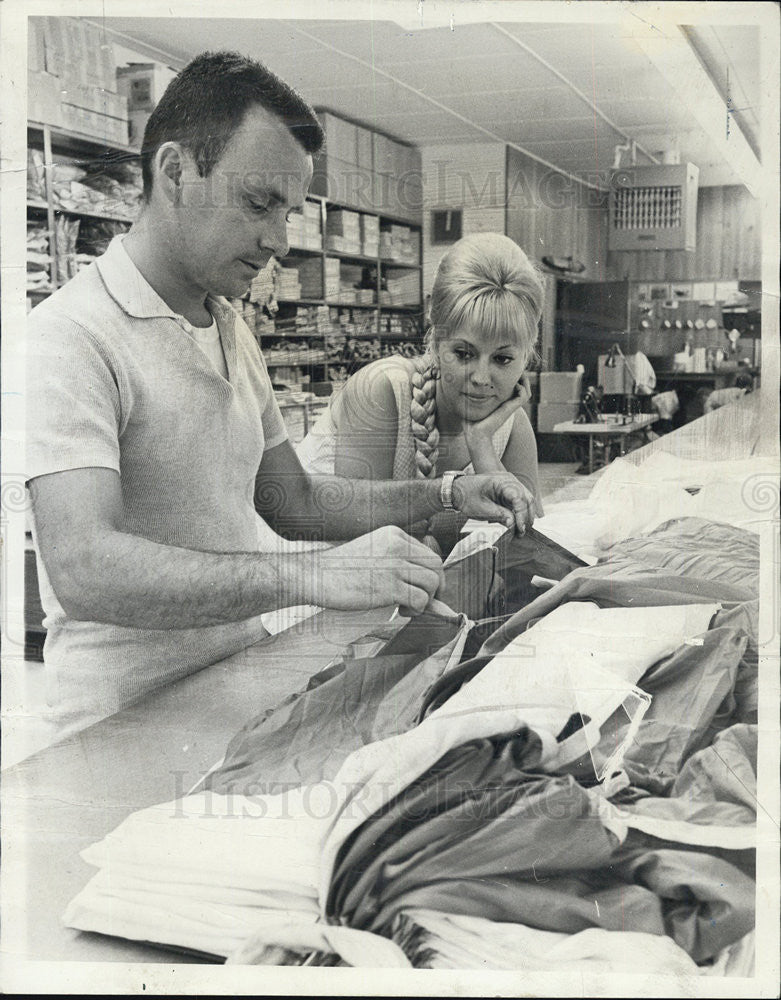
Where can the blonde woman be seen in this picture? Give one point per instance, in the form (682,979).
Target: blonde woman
(458,407)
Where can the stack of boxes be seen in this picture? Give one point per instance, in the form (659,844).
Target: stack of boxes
(343,231)
(402,289)
(398,243)
(332,279)
(368,171)
(303,228)
(370,236)
(287,287)
(310,277)
(72,81)
(559,399)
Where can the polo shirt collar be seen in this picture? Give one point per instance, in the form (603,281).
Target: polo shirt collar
(127,285)
(133,293)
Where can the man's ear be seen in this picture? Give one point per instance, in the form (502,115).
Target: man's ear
(169,163)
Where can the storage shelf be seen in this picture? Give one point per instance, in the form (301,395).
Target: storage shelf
(302,302)
(85,213)
(80,146)
(275,362)
(346,255)
(407,265)
(79,142)
(305,251)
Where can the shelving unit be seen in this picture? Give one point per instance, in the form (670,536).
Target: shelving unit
(327,355)
(345,346)
(86,151)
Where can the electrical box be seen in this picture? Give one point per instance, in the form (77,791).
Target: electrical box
(654,208)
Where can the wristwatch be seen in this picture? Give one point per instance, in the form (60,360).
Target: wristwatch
(446,490)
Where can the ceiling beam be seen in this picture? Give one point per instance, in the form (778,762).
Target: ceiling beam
(670,52)
(489,133)
(575,90)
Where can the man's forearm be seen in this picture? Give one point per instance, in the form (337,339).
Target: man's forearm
(126,580)
(346,508)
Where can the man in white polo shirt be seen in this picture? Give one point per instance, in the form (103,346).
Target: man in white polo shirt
(154,436)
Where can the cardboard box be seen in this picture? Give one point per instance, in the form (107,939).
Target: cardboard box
(96,99)
(383,161)
(560,387)
(340,138)
(54,45)
(136,124)
(94,124)
(143,84)
(43,99)
(364,149)
(550,414)
(75,52)
(36,54)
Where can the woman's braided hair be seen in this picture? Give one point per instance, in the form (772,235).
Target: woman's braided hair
(485,281)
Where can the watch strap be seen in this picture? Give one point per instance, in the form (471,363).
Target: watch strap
(446,490)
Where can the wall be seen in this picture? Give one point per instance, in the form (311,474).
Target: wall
(550,214)
(728,244)
(470,177)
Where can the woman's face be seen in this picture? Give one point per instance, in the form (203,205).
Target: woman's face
(478,373)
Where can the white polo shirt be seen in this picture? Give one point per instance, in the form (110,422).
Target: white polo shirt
(116,381)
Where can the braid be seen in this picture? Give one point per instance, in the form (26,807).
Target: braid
(423,414)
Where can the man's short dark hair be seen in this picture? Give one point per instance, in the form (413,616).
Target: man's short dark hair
(206,102)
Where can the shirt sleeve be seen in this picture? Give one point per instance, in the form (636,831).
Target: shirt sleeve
(274,427)
(73,408)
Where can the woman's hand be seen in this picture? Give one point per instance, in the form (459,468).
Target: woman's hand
(478,434)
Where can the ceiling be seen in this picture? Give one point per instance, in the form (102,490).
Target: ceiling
(565,93)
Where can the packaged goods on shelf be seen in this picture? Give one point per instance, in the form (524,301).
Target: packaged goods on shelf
(370,235)
(96,234)
(304,232)
(286,283)
(404,289)
(310,277)
(341,222)
(398,243)
(332,278)
(36,183)
(262,287)
(264,325)
(66,233)
(39,260)
(114,189)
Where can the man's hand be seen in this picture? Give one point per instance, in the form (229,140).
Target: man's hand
(496,497)
(384,567)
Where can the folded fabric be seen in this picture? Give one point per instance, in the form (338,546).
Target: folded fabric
(371,691)
(712,799)
(434,940)
(682,562)
(707,902)
(479,812)
(578,659)
(480,834)
(205,872)
(630,499)
(687,689)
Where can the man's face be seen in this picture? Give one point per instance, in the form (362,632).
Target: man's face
(231,222)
